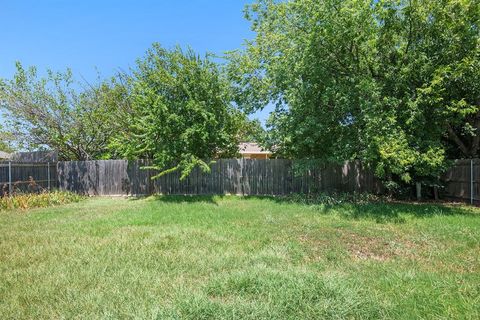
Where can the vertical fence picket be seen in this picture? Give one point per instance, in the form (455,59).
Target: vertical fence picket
(471,182)
(10,187)
(48,175)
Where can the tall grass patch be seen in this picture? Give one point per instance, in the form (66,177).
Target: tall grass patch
(38,200)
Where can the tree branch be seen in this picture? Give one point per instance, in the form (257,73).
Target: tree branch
(457,140)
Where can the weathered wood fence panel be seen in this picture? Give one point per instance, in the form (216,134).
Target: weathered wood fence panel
(227,176)
(462,181)
(101,177)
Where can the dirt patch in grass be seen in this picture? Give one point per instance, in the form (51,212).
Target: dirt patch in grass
(366,248)
(363,247)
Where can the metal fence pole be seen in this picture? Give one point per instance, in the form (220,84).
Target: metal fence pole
(471,181)
(10,178)
(48,175)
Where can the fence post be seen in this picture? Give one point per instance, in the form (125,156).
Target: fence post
(10,178)
(471,181)
(48,175)
(419,191)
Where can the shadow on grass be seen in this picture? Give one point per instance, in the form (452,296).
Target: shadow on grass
(381,212)
(395,212)
(212,199)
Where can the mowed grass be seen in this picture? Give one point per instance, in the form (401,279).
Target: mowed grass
(244,258)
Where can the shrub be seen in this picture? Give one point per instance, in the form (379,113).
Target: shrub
(36,200)
(335,198)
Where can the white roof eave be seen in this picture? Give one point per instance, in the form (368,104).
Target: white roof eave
(255,152)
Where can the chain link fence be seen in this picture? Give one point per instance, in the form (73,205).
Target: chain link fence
(27,177)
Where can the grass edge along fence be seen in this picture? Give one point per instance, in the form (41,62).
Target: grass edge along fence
(227,176)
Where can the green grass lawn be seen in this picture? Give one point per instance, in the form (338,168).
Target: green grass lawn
(231,257)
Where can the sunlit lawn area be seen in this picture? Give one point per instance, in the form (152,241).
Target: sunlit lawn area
(230,257)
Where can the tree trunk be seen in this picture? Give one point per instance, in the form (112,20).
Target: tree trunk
(453,135)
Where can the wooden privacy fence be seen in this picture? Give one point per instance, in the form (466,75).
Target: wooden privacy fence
(462,181)
(27,176)
(227,176)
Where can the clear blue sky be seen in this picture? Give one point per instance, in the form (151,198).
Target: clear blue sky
(107,35)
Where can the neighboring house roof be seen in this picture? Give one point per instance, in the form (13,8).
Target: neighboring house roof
(35,156)
(252,148)
(5,155)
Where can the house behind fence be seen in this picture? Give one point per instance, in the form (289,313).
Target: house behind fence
(35,156)
(4,155)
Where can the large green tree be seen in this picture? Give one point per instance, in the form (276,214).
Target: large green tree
(181,113)
(392,82)
(56,112)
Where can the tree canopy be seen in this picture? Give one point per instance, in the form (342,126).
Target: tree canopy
(174,108)
(392,82)
(181,113)
(55,112)
(6,139)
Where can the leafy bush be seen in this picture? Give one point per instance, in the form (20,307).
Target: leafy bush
(335,198)
(37,200)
